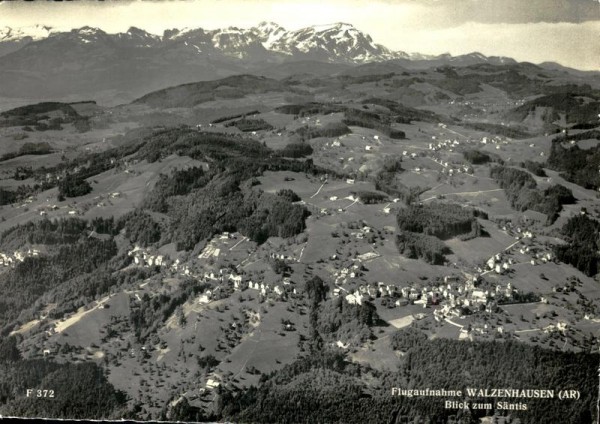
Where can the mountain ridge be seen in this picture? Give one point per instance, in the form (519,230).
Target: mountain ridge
(44,63)
(336,42)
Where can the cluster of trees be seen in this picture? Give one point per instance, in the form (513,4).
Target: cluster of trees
(230,117)
(577,165)
(9,196)
(247,125)
(340,320)
(371,197)
(310,109)
(503,130)
(45,231)
(296,150)
(140,227)
(147,315)
(363,79)
(420,246)
(476,157)
(205,146)
(403,114)
(192,94)
(574,105)
(202,204)
(41,148)
(335,319)
(518,297)
(272,215)
(72,185)
(441,220)
(179,183)
(23,172)
(223,206)
(288,194)
(536,168)
(80,391)
(407,339)
(332,129)
(583,236)
(372,120)
(32,115)
(522,192)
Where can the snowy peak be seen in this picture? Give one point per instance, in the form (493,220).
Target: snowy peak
(338,42)
(135,37)
(269,28)
(269,33)
(35,32)
(84,34)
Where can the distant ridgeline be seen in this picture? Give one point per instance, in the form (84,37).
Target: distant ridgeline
(423,227)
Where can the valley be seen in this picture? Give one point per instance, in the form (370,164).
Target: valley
(217,244)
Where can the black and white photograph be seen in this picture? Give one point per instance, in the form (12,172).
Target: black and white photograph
(311,211)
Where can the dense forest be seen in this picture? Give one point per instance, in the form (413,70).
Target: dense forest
(22,285)
(503,130)
(371,197)
(476,157)
(326,387)
(379,122)
(202,204)
(332,129)
(76,270)
(41,148)
(575,164)
(72,185)
(581,251)
(230,117)
(296,150)
(309,109)
(535,168)
(247,124)
(441,220)
(579,107)
(423,227)
(403,114)
(80,391)
(420,246)
(522,192)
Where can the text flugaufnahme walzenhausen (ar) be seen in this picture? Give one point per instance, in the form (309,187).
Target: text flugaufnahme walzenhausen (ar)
(476,398)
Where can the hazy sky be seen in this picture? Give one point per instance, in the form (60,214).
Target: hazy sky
(565,31)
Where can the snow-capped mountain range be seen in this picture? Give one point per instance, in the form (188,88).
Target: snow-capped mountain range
(45,62)
(36,32)
(339,42)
